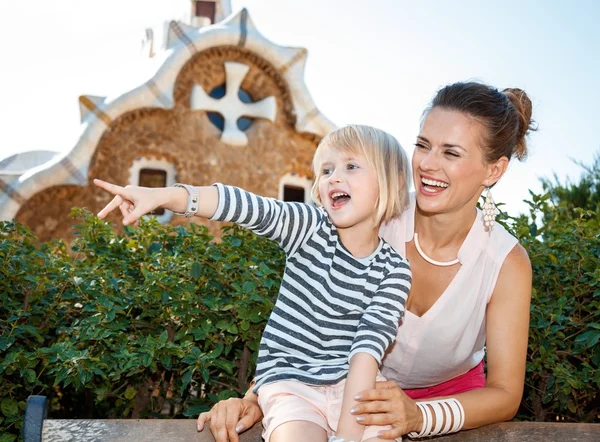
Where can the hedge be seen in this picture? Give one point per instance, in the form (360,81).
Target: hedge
(162,322)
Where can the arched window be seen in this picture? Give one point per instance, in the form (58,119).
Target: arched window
(293,187)
(151,172)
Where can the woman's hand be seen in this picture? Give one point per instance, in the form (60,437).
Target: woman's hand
(133,201)
(230,417)
(387,404)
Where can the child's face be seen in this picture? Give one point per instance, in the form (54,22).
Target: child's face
(348,188)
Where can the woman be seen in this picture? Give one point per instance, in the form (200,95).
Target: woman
(471,280)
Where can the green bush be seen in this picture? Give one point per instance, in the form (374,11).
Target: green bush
(159,322)
(163,322)
(563,376)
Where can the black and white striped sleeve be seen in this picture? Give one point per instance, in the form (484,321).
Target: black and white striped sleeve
(287,223)
(379,323)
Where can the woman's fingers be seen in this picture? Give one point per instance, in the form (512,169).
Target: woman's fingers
(202,419)
(231,421)
(222,427)
(379,393)
(386,385)
(378,419)
(251,415)
(372,407)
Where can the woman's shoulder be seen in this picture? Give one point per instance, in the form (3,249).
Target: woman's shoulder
(500,243)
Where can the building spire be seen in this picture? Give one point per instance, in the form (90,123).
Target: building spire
(195,13)
(208,12)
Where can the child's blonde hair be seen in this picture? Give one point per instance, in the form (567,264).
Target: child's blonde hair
(384,153)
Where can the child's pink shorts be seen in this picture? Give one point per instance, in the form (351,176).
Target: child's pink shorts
(288,401)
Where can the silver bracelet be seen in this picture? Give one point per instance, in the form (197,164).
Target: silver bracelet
(337,439)
(192,202)
(448,411)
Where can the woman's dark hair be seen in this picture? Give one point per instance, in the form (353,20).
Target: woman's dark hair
(505,115)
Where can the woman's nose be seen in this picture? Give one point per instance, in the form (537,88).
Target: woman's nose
(430,161)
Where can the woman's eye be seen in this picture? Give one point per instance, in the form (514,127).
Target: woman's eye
(420,146)
(452,154)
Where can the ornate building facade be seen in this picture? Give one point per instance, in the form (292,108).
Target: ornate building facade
(223,103)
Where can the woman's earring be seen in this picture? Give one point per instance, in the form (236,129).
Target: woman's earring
(490,211)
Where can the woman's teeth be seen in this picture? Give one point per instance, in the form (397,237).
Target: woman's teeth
(434,183)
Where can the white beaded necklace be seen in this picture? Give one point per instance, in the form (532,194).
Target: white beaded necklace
(432,261)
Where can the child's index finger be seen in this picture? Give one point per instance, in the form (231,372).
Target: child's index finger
(112,188)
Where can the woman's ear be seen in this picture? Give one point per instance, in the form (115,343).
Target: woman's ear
(495,171)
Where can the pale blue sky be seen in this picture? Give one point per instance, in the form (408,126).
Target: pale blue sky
(376,62)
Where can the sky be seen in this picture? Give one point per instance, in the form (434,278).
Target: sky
(376,62)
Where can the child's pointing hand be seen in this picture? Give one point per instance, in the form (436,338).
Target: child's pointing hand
(133,201)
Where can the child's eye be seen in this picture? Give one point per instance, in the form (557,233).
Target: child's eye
(326,171)
(352,166)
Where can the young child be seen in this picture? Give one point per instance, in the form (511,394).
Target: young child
(343,290)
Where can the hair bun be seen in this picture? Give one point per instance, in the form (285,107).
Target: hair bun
(524,109)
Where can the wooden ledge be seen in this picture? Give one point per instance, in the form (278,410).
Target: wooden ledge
(180,430)
(38,428)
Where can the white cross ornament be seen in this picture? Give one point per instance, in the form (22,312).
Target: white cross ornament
(231,107)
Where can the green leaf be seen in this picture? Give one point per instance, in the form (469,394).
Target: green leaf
(196,270)
(30,375)
(130,393)
(9,407)
(195,410)
(223,324)
(155,247)
(186,379)
(163,337)
(248,286)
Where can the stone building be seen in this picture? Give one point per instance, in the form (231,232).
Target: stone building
(222,103)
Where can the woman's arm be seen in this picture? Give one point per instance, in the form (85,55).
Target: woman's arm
(507,328)
(507,325)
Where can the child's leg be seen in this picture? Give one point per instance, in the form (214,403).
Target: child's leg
(299,431)
(293,412)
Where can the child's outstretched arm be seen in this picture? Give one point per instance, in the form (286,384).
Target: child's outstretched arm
(135,201)
(287,223)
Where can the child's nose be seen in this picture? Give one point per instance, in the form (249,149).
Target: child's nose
(335,177)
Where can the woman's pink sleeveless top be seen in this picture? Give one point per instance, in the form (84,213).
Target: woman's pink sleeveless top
(449,339)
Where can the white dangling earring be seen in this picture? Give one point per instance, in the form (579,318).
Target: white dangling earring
(490,211)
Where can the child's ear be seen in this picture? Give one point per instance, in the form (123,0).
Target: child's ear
(495,171)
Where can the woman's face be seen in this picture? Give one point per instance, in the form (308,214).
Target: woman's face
(449,171)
